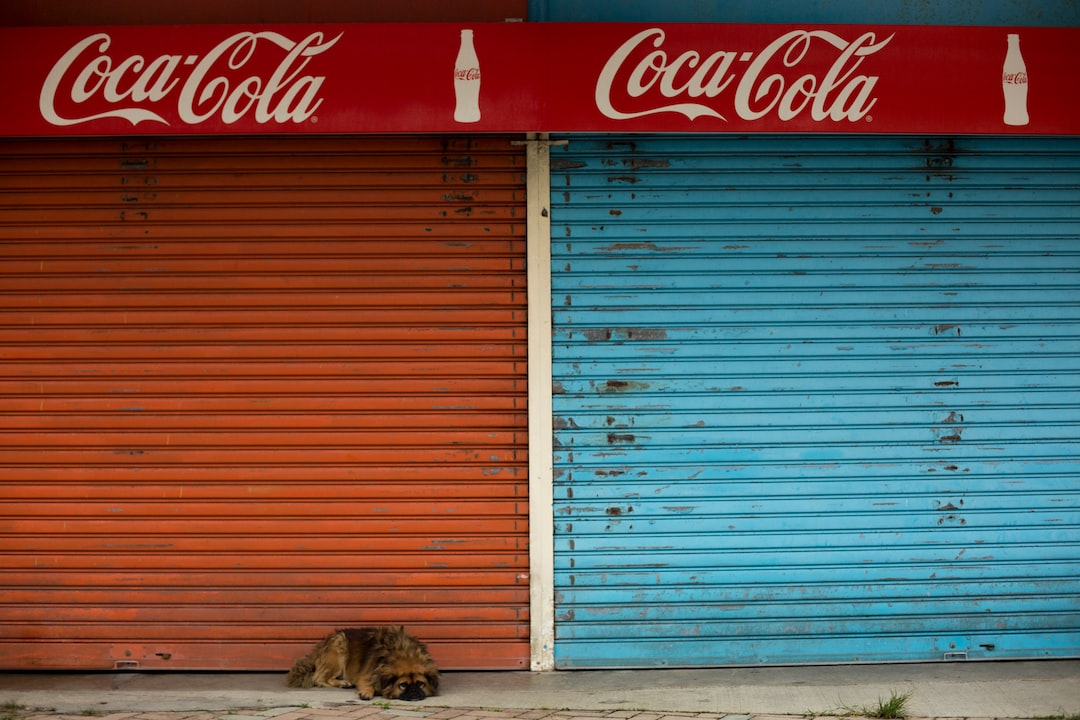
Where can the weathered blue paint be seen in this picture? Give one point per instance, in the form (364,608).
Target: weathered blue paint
(1062,13)
(817,399)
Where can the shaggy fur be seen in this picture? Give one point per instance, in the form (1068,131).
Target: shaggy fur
(384,661)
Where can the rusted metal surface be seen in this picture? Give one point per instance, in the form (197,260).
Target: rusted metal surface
(817,400)
(134,12)
(256,390)
(1063,13)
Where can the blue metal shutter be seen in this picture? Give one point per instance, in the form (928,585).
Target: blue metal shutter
(817,399)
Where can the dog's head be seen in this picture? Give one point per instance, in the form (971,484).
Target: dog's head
(406,683)
(405,670)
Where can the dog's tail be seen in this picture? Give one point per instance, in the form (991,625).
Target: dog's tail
(302,673)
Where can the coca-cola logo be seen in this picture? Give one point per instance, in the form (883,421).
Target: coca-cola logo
(222,84)
(472,73)
(1020,78)
(638,81)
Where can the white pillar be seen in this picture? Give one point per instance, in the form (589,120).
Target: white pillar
(541,516)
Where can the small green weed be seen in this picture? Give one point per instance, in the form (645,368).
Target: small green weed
(10,710)
(894,707)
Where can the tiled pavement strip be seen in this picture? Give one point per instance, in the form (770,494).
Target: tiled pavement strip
(381,712)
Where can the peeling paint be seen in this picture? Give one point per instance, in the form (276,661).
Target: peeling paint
(624,333)
(563,164)
(622,247)
(621,386)
(637,163)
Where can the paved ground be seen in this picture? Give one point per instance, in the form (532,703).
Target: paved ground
(395,712)
(1029,690)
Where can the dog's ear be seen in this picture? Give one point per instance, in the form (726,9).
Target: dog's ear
(432,680)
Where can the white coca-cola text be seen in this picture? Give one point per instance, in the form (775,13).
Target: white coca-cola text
(219,85)
(645,82)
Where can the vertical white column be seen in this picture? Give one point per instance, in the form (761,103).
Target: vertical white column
(541,516)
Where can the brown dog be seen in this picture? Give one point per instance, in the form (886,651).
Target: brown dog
(384,661)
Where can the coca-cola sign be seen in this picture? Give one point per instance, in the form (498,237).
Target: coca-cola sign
(538,77)
(221,84)
(773,80)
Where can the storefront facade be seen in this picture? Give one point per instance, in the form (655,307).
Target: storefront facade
(568,345)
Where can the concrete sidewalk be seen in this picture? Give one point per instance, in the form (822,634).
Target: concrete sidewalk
(1041,689)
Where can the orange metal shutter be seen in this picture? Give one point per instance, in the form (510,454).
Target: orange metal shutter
(252,390)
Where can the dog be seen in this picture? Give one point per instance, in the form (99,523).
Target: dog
(384,661)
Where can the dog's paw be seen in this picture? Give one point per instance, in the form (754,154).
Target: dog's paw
(365,693)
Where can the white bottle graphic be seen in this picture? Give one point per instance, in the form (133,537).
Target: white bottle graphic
(1014,84)
(467,81)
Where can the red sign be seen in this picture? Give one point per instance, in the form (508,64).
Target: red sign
(542,77)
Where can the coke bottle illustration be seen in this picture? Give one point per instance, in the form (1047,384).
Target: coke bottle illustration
(1014,84)
(467,81)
